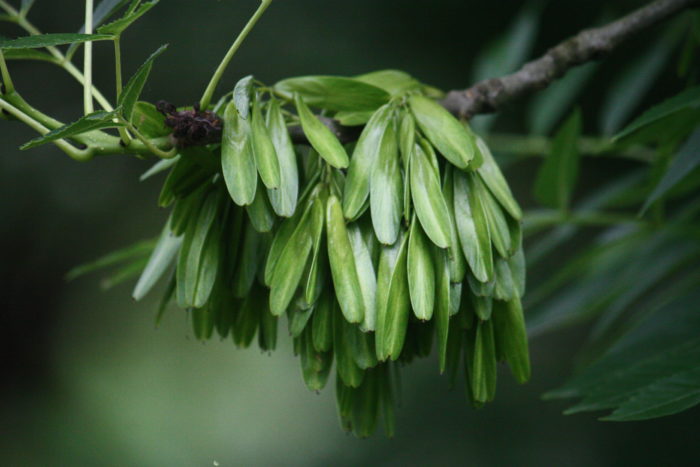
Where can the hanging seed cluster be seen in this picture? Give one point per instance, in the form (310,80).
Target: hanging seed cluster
(376,251)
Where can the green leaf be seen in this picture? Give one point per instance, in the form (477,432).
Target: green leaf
(518,270)
(322,322)
(260,212)
(334,92)
(386,189)
(298,319)
(498,225)
(315,366)
(199,256)
(407,141)
(634,83)
(444,131)
(95,121)
(194,168)
(264,150)
(247,321)
(482,306)
(428,201)
(456,261)
(132,91)
(388,256)
(29,54)
(394,309)
(284,199)
(166,299)
(136,251)
(342,261)
(289,268)
(557,176)
(104,10)
(357,118)
(247,262)
(241,95)
(320,137)
(119,26)
(511,338)
(49,40)
(149,121)
(494,180)
(123,274)
(361,345)
(366,276)
(366,153)
(690,98)
(421,273)
(316,269)
(505,289)
(442,304)
(550,105)
(160,166)
(237,160)
(162,257)
(351,374)
(650,372)
(395,82)
(670,395)
(687,159)
(282,237)
(484,364)
(472,227)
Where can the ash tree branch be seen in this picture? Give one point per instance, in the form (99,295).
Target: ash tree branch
(591,44)
(492,94)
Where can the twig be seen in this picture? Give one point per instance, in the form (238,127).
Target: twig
(591,44)
(211,87)
(87,65)
(490,95)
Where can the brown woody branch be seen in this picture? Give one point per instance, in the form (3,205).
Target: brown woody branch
(492,94)
(591,44)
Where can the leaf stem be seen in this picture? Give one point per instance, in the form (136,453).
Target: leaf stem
(537,220)
(62,60)
(123,133)
(531,145)
(6,78)
(155,150)
(213,83)
(72,151)
(118,64)
(87,73)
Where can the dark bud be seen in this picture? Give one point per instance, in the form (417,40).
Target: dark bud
(165,107)
(191,127)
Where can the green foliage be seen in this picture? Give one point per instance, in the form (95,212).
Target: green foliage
(408,236)
(361,263)
(558,174)
(334,92)
(50,40)
(135,11)
(91,122)
(638,278)
(682,165)
(652,371)
(132,91)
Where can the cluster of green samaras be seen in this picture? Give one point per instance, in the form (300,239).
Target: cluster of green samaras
(376,251)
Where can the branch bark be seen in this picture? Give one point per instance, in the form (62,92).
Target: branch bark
(492,94)
(590,44)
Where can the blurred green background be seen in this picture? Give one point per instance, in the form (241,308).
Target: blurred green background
(89,380)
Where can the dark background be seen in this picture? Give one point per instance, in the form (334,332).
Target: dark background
(88,379)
